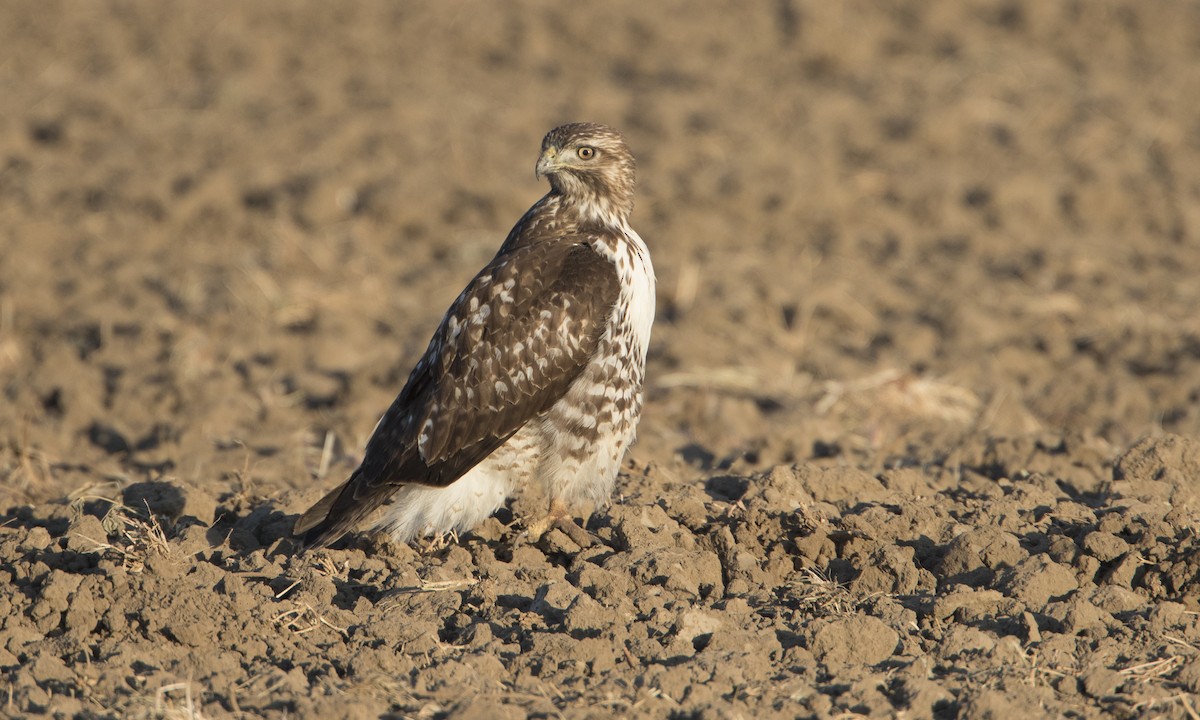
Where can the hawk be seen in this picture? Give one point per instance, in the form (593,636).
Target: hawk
(535,373)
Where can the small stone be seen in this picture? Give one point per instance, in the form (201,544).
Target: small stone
(37,539)
(1125,570)
(1037,580)
(1166,616)
(558,542)
(554,599)
(962,640)
(1111,523)
(604,585)
(971,603)
(1077,615)
(991,704)
(1102,682)
(816,547)
(193,540)
(1033,633)
(1160,469)
(86,534)
(872,580)
(861,640)
(478,635)
(891,570)
(736,563)
(1104,546)
(693,623)
(56,592)
(49,667)
(1086,568)
(974,556)
(782,488)
(696,573)
(585,615)
(1062,549)
(1068,685)
(1116,599)
(922,696)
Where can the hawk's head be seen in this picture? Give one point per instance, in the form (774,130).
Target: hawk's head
(590,165)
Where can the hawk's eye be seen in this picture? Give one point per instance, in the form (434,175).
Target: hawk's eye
(586,153)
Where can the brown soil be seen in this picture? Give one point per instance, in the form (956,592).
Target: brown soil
(924,383)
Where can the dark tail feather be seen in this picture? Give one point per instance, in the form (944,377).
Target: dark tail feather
(314,526)
(337,513)
(334,515)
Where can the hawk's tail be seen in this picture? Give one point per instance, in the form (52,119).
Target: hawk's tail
(337,513)
(314,525)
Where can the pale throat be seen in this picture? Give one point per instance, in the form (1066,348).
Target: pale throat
(606,209)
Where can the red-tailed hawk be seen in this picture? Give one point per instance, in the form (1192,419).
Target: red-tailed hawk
(534,375)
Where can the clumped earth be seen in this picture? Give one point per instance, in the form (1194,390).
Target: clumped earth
(921,427)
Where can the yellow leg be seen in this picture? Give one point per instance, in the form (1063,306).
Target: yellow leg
(558,512)
(560,517)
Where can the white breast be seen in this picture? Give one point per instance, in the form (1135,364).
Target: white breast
(637,288)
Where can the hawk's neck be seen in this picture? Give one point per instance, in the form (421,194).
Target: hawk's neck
(558,215)
(594,210)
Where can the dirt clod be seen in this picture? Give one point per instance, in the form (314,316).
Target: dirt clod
(861,640)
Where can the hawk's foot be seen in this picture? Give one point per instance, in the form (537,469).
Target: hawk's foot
(559,518)
(437,543)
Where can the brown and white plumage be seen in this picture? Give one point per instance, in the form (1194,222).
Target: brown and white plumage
(536,371)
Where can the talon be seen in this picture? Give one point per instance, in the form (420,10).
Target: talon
(437,543)
(580,536)
(559,517)
(536,530)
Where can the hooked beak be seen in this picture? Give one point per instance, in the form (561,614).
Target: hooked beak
(546,164)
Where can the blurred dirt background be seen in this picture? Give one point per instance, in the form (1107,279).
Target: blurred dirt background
(924,384)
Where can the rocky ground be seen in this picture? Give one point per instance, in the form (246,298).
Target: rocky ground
(921,431)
